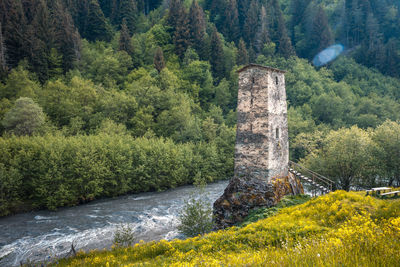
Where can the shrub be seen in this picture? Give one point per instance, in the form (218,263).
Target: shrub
(195,217)
(25,118)
(124,236)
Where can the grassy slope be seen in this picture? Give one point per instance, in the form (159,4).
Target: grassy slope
(339,229)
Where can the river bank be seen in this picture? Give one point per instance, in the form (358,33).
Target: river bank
(42,234)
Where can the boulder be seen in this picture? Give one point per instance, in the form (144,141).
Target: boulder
(244,194)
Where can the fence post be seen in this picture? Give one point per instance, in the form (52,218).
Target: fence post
(313,179)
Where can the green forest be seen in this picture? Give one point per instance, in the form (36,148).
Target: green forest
(100,98)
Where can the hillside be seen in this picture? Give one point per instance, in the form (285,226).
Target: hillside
(341,228)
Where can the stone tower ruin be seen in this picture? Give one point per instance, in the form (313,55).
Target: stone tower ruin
(262,150)
(262,147)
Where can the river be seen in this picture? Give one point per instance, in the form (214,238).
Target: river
(43,235)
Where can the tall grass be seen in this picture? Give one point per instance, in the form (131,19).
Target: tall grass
(339,229)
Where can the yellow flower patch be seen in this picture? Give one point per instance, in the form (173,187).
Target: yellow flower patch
(338,229)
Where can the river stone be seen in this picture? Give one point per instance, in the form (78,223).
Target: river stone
(244,194)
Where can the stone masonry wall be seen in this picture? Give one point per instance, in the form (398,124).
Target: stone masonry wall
(278,158)
(261,149)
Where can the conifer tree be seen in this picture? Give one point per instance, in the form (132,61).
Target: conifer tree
(182,34)
(175,13)
(243,7)
(79,10)
(106,7)
(145,6)
(42,40)
(159,63)
(54,60)
(230,27)
(215,7)
(252,54)
(197,26)
(280,36)
(29,8)
(297,10)
(321,34)
(251,23)
(355,17)
(372,52)
(3,61)
(392,62)
(125,9)
(217,55)
(242,57)
(14,31)
(262,34)
(67,39)
(125,43)
(97,27)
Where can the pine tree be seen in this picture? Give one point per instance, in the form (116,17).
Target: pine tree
(321,34)
(159,63)
(125,9)
(54,60)
(79,10)
(97,27)
(242,57)
(252,54)
(215,7)
(262,34)
(243,7)
(297,10)
(197,27)
(14,31)
(355,18)
(106,7)
(280,36)
(29,7)
(182,35)
(176,9)
(392,62)
(230,27)
(217,55)
(125,43)
(251,23)
(42,40)
(67,38)
(372,47)
(3,61)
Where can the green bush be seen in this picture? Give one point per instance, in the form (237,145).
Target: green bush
(124,236)
(195,217)
(53,171)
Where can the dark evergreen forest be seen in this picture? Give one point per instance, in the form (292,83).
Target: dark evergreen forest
(105,97)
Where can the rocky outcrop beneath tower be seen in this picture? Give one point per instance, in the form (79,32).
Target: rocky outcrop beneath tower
(244,194)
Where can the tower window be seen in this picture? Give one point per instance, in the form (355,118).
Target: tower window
(277,133)
(276,80)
